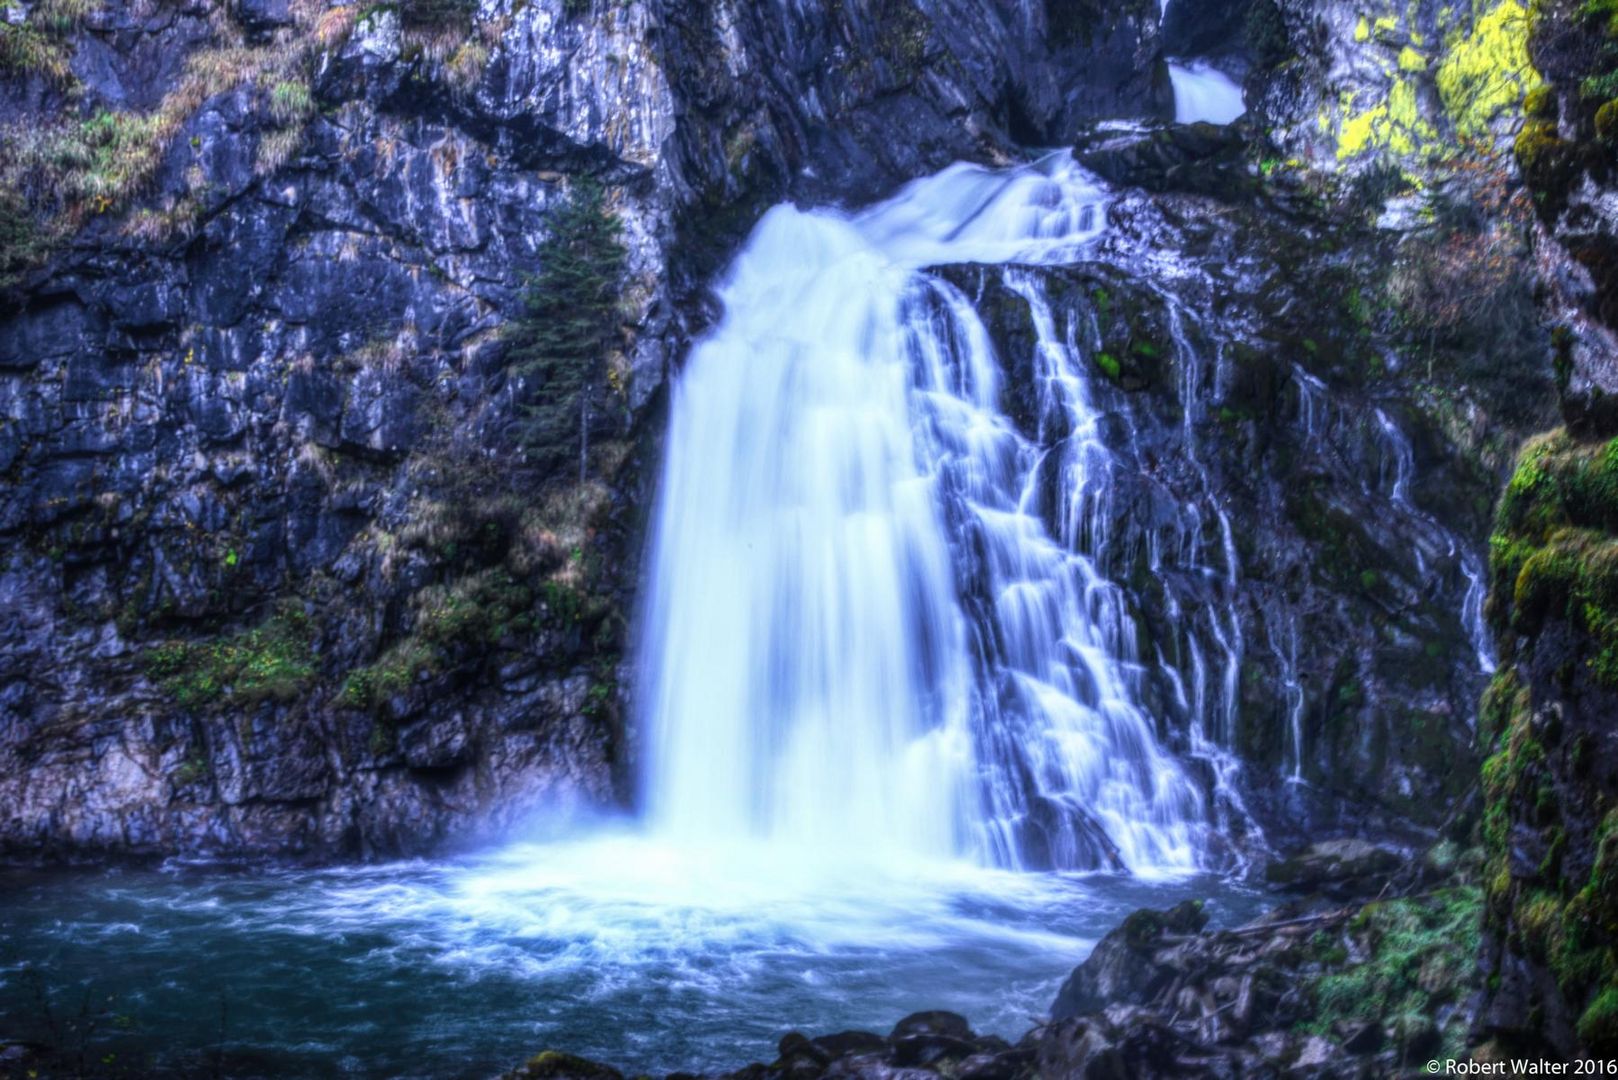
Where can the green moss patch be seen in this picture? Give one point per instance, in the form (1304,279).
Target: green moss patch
(1554,553)
(452,622)
(271,661)
(1419,954)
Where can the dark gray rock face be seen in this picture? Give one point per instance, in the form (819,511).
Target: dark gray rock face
(275,578)
(835,102)
(1206,27)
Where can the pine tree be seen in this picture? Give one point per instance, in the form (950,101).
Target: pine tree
(571,318)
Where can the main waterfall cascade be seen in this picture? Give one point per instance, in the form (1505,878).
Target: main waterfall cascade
(858,630)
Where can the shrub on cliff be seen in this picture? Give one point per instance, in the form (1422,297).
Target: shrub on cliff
(563,339)
(433,15)
(21,244)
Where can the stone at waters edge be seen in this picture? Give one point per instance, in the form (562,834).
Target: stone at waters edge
(1121,969)
(1338,868)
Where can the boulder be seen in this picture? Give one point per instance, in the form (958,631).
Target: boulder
(1124,968)
(1202,159)
(1338,868)
(554,1065)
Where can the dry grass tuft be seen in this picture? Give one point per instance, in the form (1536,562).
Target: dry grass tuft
(70,170)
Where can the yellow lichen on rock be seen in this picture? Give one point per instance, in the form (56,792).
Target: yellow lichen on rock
(1481,73)
(1394,124)
(1362,131)
(1488,71)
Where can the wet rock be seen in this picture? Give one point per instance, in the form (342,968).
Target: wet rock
(844,1043)
(1339,868)
(1124,967)
(1204,159)
(436,744)
(936,1022)
(1008,1065)
(553,1065)
(930,1050)
(1325,554)
(1204,27)
(1121,1042)
(1361,1038)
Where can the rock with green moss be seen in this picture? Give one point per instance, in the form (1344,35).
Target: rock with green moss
(1377,987)
(555,1065)
(1124,967)
(272,660)
(1550,823)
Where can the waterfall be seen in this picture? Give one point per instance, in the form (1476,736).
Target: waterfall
(859,631)
(1203,93)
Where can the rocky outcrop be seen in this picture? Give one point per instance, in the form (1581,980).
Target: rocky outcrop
(1338,868)
(282,571)
(1362,990)
(837,101)
(1565,150)
(269,587)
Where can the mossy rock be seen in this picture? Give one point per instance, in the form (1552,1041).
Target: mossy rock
(1418,957)
(555,1065)
(1549,163)
(273,661)
(1540,104)
(1549,830)
(1607,122)
(1598,1027)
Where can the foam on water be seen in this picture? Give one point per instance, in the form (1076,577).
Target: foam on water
(621,948)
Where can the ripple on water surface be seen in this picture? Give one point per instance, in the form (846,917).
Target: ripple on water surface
(651,957)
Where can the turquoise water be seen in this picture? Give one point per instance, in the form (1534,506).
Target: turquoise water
(616,948)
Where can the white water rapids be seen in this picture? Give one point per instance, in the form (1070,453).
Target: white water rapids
(858,634)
